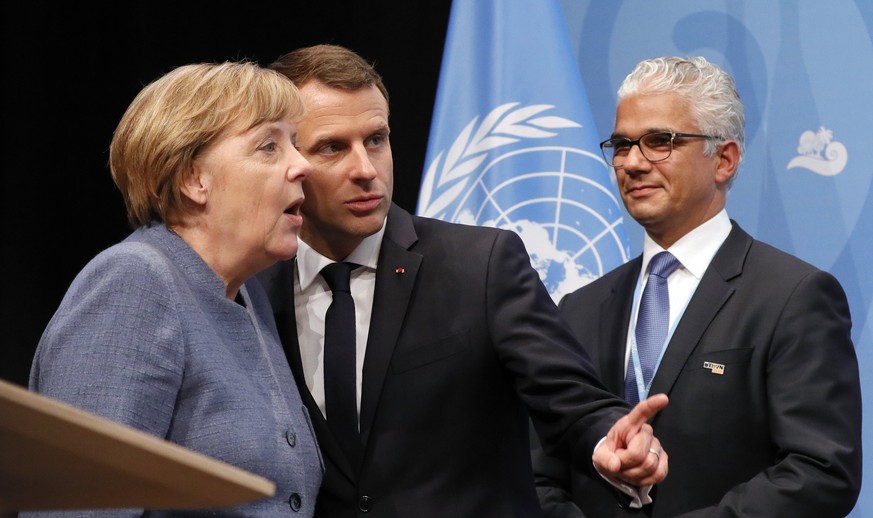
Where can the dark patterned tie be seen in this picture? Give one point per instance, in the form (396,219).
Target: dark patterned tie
(652,322)
(340,389)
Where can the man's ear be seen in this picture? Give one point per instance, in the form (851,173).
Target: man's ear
(195,185)
(728,160)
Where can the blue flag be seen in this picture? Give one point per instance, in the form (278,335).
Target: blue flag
(513,145)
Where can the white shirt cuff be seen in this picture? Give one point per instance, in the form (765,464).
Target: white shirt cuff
(639,495)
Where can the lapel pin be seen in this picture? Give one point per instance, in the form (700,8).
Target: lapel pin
(716,368)
(399,271)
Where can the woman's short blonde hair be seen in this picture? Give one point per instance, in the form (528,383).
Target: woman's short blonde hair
(176,117)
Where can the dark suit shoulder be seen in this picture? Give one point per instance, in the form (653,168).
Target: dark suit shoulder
(762,252)
(773,266)
(457,239)
(423,234)
(601,287)
(743,254)
(438,227)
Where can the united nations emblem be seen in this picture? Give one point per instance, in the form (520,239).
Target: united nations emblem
(508,171)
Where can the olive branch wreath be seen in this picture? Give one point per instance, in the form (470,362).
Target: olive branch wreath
(504,125)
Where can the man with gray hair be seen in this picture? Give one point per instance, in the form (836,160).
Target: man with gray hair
(751,345)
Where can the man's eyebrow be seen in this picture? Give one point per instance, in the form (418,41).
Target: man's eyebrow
(381,128)
(645,132)
(321,141)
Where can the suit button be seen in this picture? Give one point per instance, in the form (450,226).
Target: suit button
(291,437)
(365,504)
(294,502)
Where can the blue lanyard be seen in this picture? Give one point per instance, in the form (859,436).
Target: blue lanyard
(642,388)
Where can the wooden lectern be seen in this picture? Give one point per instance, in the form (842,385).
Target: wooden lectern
(54,456)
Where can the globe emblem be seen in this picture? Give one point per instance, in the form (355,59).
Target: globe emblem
(571,224)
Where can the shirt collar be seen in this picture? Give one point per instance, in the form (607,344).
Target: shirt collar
(695,249)
(309,262)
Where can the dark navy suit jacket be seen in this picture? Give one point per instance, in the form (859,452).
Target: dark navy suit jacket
(778,432)
(461,344)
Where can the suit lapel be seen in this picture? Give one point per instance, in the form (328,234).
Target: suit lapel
(279,284)
(614,337)
(286,321)
(711,295)
(396,275)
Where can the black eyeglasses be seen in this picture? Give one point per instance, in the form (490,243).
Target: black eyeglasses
(655,147)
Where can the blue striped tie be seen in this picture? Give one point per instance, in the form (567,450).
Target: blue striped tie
(652,322)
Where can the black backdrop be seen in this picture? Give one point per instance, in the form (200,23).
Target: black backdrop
(70,72)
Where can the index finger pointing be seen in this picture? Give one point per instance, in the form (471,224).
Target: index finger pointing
(646,409)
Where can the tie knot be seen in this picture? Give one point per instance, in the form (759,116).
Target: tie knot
(663,264)
(337,276)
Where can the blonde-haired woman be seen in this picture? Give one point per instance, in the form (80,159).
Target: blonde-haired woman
(167,331)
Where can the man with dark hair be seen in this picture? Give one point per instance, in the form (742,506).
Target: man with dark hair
(456,339)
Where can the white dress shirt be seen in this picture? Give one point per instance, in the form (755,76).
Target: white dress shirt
(694,251)
(312,297)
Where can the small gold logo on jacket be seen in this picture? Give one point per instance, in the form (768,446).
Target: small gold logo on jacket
(716,368)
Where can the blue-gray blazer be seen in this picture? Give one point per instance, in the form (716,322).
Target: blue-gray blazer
(145,336)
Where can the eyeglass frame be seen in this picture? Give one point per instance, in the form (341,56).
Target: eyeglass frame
(632,143)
